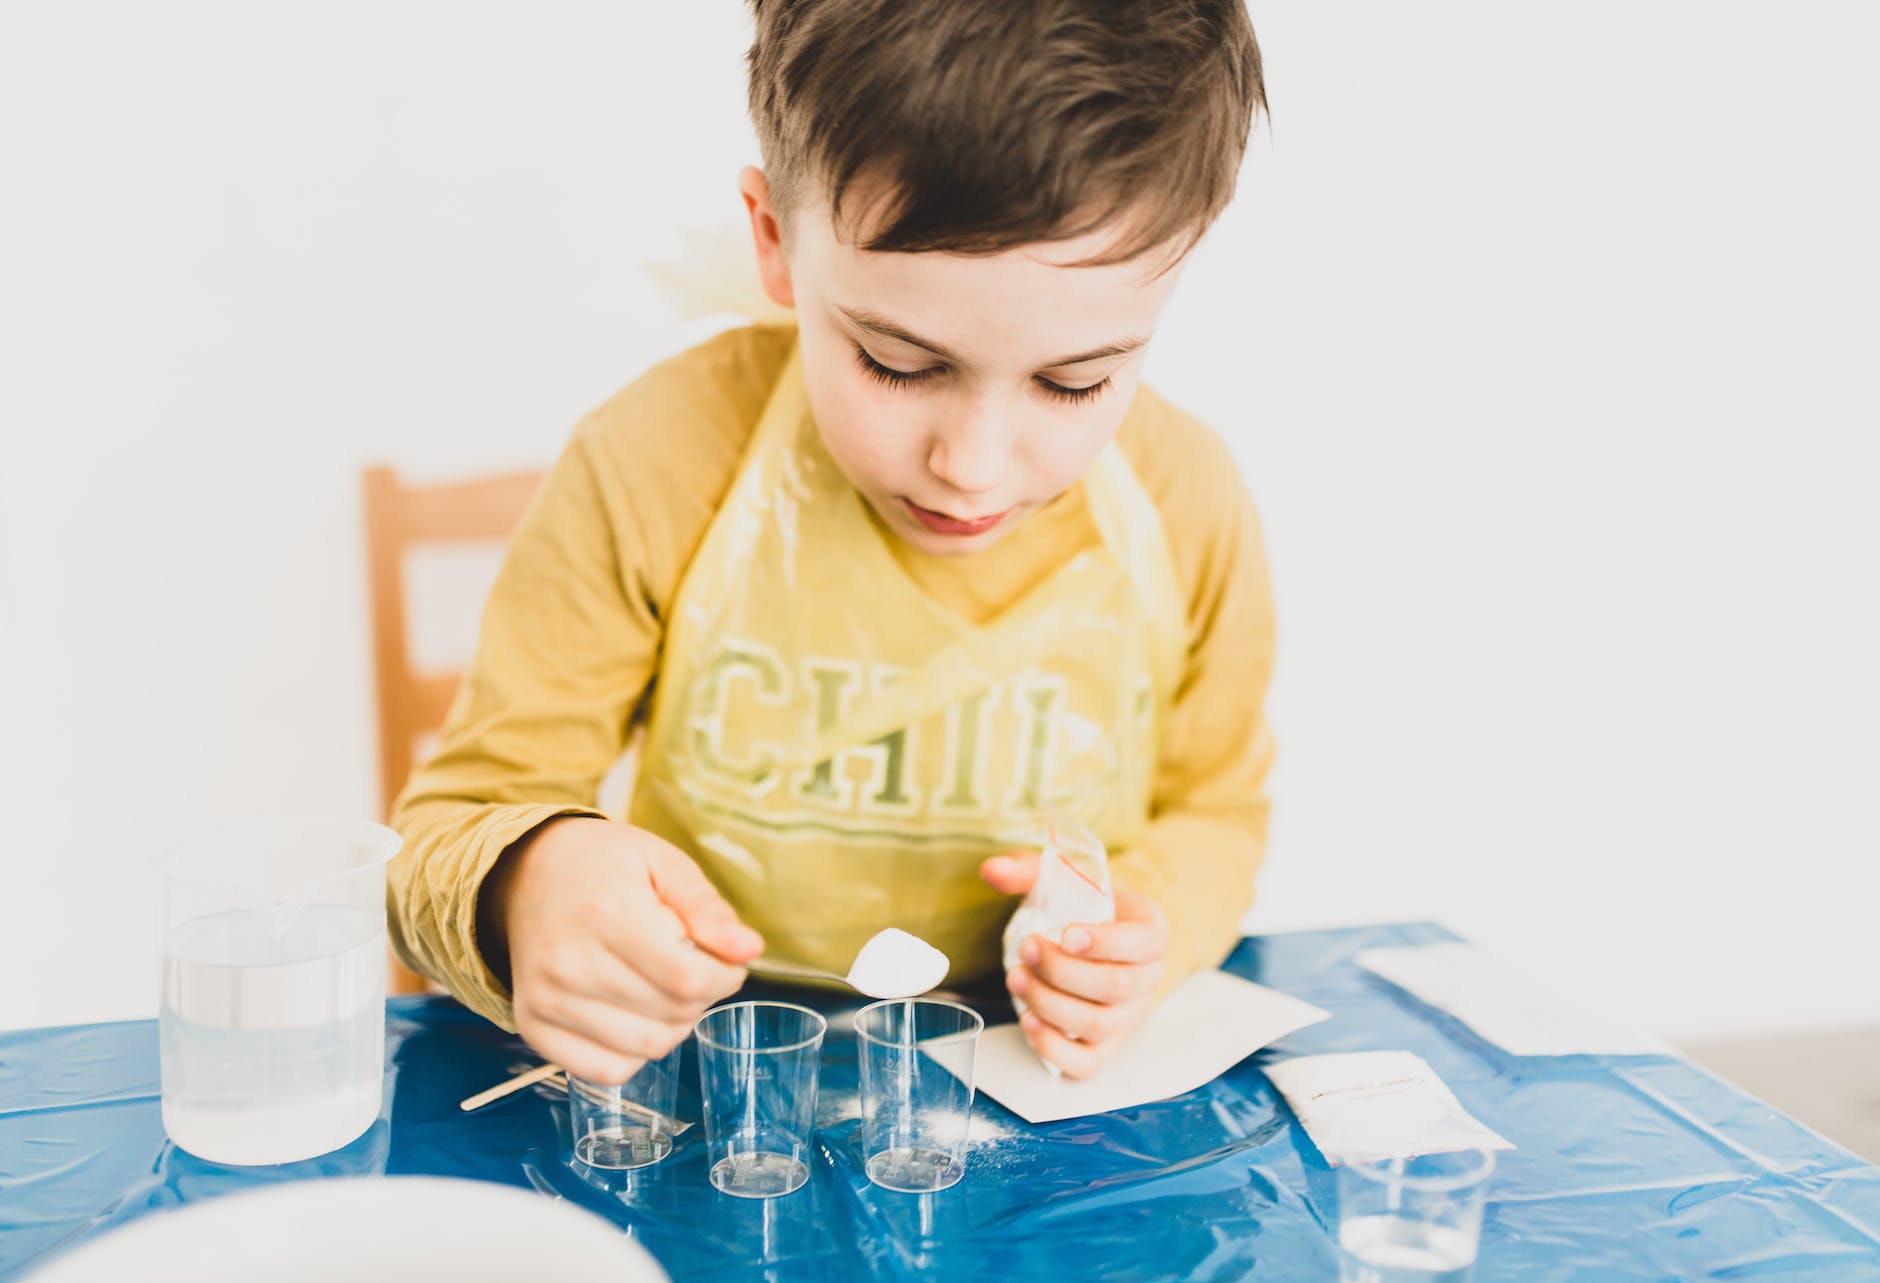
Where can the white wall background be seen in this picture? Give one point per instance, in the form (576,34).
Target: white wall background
(1545,336)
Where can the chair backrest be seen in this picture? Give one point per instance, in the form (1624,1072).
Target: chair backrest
(398,517)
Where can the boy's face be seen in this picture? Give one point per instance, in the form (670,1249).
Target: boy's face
(959,394)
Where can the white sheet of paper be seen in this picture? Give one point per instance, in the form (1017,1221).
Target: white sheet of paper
(1211,1023)
(1509,1009)
(1363,1106)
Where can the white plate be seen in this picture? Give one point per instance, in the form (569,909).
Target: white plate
(362,1230)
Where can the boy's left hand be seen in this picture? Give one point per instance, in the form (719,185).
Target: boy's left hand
(1089,993)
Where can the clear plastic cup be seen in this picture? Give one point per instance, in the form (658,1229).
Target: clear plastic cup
(757,1067)
(628,1126)
(272,1020)
(916,1060)
(1412,1220)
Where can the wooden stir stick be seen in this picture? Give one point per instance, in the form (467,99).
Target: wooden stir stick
(526,1079)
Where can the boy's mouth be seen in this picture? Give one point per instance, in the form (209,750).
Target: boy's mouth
(941,523)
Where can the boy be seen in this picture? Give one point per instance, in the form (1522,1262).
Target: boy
(886,586)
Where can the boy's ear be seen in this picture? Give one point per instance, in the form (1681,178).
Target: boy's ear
(767,235)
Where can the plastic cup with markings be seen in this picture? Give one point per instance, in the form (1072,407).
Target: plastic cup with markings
(271,1030)
(628,1126)
(1412,1220)
(916,1062)
(757,1067)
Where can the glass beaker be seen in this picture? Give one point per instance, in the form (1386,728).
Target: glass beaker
(757,1066)
(916,1069)
(272,1024)
(620,1128)
(1412,1220)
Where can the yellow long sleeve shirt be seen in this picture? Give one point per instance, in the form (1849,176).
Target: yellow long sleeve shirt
(571,635)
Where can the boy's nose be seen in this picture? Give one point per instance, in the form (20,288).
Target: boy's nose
(973,454)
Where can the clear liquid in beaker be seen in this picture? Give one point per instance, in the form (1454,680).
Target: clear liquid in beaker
(1400,1249)
(623,1148)
(758,1174)
(273,1032)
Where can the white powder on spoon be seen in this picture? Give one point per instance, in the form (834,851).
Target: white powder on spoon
(895,964)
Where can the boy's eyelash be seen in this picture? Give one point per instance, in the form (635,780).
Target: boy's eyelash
(886,374)
(1074,396)
(902,378)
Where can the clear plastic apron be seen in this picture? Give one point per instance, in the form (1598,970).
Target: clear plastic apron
(839,751)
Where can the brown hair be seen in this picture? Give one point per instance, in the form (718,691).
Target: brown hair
(974,126)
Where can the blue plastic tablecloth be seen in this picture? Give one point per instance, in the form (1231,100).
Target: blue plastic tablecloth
(1625,1168)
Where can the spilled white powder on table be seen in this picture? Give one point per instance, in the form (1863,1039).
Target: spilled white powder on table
(987,1130)
(895,964)
(993,1146)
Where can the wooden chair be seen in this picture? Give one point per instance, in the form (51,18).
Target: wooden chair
(412,703)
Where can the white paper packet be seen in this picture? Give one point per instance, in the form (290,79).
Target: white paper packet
(1360,1107)
(1073,886)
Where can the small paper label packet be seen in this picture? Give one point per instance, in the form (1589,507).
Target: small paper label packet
(1365,1106)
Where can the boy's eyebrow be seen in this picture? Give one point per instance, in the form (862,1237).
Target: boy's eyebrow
(882,327)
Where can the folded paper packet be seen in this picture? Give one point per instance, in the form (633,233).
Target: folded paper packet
(1363,1106)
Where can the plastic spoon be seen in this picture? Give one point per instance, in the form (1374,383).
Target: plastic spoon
(893,964)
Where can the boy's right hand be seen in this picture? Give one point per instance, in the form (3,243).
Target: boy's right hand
(601,921)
